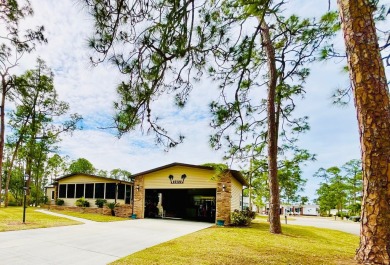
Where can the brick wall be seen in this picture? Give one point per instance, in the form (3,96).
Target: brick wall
(76,209)
(224,198)
(124,211)
(139,196)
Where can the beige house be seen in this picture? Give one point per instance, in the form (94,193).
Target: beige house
(183,191)
(74,186)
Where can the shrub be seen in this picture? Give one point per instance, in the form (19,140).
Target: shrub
(60,202)
(354,209)
(100,202)
(342,214)
(250,214)
(242,218)
(45,200)
(81,202)
(13,203)
(111,206)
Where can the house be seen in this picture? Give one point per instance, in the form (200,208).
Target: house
(184,191)
(251,205)
(74,186)
(310,209)
(296,209)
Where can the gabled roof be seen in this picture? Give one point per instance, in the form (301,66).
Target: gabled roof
(236,174)
(90,175)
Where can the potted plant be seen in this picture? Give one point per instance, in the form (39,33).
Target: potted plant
(220,222)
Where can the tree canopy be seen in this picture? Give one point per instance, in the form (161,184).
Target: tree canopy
(166,46)
(81,165)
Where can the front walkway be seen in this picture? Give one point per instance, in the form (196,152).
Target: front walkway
(89,243)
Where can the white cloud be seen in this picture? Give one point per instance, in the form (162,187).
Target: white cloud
(91,92)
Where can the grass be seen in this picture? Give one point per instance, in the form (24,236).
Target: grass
(92,216)
(254,245)
(11,219)
(282,218)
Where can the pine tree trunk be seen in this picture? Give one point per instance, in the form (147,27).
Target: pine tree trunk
(272,138)
(373,113)
(2,128)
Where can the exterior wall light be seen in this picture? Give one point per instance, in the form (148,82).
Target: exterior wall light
(137,187)
(223,187)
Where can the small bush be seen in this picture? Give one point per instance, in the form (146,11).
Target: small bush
(354,209)
(111,206)
(60,202)
(242,218)
(45,200)
(100,202)
(82,202)
(342,215)
(250,214)
(13,203)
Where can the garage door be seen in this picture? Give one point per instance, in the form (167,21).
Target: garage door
(186,204)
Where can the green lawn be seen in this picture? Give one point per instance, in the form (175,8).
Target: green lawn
(92,216)
(11,218)
(254,245)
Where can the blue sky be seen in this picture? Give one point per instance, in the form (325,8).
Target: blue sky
(91,92)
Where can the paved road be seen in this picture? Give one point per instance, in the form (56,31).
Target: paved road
(90,243)
(345,226)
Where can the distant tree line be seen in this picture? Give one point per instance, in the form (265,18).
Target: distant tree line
(341,188)
(53,166)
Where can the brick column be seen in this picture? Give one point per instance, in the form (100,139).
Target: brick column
(224,198)
(139,196)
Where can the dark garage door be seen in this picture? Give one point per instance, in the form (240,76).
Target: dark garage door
(189,204)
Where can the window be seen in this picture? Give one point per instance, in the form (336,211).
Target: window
(79,190)
(62,191)
(89,190)
(52,194)
(70,191)
(128,194)
(121,191)
(110,190)
(99,191)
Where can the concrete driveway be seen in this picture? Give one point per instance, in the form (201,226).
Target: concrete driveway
(90,243)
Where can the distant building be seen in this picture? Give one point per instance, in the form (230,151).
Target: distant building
(245,204)
(296,209)
(335,211)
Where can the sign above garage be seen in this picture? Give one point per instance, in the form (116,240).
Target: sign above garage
(177,181)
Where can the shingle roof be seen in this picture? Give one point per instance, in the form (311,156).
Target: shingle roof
(90,175)
(236,174)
